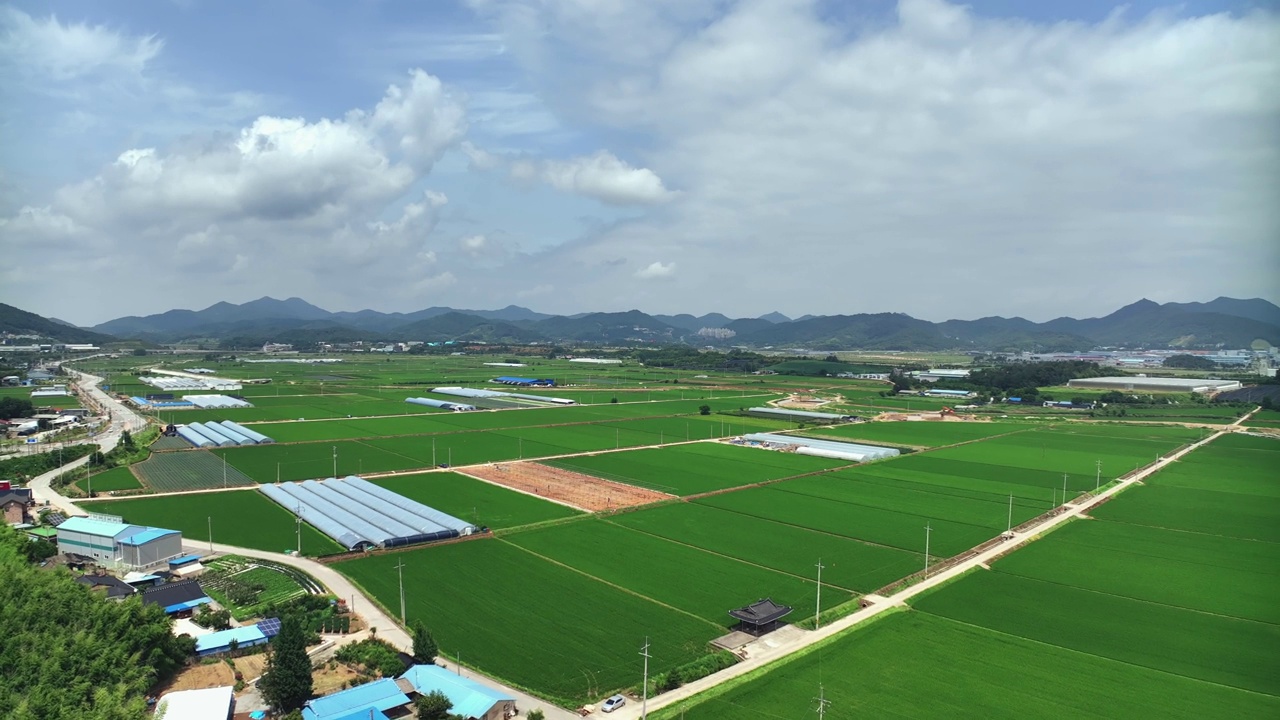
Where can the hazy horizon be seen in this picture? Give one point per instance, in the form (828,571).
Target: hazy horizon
(942,160)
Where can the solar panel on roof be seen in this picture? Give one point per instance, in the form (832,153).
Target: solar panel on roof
(55,518)
(269,627)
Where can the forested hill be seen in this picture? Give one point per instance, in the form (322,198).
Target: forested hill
(69,654)
(21,322)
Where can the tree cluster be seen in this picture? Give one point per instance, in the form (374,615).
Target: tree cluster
(12,407)
(1033,375)
(286,680)
(68,653)
(26,466)
(1190,362)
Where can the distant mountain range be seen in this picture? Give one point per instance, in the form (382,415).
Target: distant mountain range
(1224,322)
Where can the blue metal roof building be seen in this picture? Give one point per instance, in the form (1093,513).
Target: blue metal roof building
(378,695)
(470,699)
(118,543)
(247,636)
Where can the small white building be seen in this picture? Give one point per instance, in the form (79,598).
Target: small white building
(206,704)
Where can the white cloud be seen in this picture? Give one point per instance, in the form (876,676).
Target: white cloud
(62,51)
(315,197)
(656,270)
(607,179)
(809,154)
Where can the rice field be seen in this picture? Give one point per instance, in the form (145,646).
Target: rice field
(475,500)
(695,468)
(244,518)
(577,637)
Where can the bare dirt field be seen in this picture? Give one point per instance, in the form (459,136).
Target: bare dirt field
(578,490)
(199,676)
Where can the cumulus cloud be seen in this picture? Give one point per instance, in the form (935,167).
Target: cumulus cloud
(61,51)
(607,179)
(313,196)
(656,270)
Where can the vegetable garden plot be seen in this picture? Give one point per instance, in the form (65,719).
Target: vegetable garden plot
(189,470)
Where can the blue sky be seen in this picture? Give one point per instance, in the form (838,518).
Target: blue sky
(703,155)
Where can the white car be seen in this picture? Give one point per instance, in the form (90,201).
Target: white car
(613,703)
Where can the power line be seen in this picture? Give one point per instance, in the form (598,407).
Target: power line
(400,571)
(822,702)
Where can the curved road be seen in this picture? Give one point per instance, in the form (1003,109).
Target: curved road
(124,418)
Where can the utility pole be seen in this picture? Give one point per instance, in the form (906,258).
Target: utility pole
(335,459)
(297,521)
(1098,483)
(400,571)
(822,702)
(644,697)
(433,451)
(927,531)
(1010,528)
(817,605)
(1064,488)
(210,533)
(224,471)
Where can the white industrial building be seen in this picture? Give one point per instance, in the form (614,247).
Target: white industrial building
(110,541)
(943,374)
(1142,383)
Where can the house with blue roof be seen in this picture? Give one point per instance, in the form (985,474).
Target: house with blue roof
(112,542)
(470,699)
(378,696)
(388,698)
(238,637)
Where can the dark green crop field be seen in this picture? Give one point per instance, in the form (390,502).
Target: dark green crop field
(849,564)
(917,665)
(918,434)
(474,500)
(1198,645)
(245,518)
(1209,573)
(696,468)
(532,622)
(684,577)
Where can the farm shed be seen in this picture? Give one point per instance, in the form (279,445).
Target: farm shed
(377,696)
(250,433)
(150,547)
(1156,384)
(108,541)
(524,381)
(442,404)
(470,699)
(215,402)
(357,513)
(247,636)
(824,448)
(797,415)
(212,433)
(205,704)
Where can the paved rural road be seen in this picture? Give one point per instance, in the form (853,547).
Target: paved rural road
(122,418)
(796,640)
(386,628)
